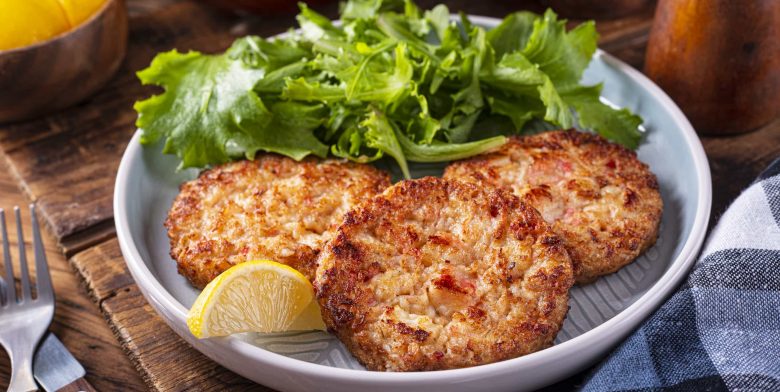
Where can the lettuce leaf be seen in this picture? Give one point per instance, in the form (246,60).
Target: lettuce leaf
(562,55)
(389,81)
(209,103)
(513,33)
(618,125)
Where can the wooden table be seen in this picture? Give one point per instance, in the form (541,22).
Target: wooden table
(66,163)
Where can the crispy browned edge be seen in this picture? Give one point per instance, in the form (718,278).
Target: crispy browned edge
(632,171)
(304,258)
(343,298)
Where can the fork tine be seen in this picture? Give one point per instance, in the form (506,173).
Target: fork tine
(43,281)
(26,294)
(10,287)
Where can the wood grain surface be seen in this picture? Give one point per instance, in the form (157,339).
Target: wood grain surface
(67,163)
(164,360)
(80,385)
(77,320)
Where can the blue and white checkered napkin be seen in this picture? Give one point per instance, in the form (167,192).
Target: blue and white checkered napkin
(721,329)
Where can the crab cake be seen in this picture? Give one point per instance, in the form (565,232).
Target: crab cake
(271,208)
(437,274)
(596,195)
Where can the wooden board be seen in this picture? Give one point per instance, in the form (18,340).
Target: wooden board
(77,320)
(163,359)
(67,163)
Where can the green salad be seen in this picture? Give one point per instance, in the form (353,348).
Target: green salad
(389,79)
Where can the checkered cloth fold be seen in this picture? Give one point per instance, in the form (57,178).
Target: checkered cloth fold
(721,329)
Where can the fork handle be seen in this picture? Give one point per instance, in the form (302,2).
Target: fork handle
(21,370)
(80,385)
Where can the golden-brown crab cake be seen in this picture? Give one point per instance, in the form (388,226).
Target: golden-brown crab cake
(271,208)
(596,195)
(436,274)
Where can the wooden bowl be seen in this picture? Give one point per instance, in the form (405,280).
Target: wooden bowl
(54,74)
(719,60)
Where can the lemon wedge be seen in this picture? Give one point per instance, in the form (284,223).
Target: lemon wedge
(256,296)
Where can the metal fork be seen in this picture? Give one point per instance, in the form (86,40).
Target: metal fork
(24,319)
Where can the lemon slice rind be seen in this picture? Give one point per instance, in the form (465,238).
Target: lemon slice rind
(256,296)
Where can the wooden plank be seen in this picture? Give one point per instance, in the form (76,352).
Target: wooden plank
(164,360)
(77,320)
(88,237)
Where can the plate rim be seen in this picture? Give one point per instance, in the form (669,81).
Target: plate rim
(626,320)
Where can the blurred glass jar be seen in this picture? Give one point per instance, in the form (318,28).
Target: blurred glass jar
(719,60)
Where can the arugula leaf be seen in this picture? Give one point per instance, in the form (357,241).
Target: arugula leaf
(514,74)
(360,9)
(301,89)
(290,132)
(385,83)
(513,33)
(257,52)
(442,152)
(439,18)
(618,125)
(562,56)
(519,109)
(558,111)
(274,81)
(397,27)
(468,102)
(518,76)
(315,26)
(381,136)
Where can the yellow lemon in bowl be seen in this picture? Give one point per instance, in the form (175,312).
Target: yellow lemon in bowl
(78,11)
(23,22)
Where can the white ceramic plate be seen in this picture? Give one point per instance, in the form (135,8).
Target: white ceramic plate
(601,313)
